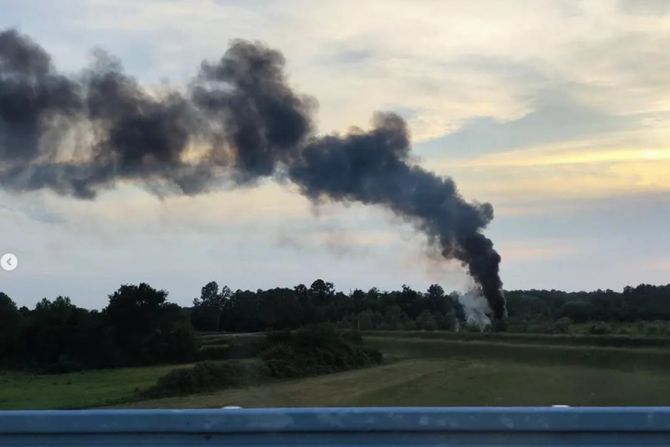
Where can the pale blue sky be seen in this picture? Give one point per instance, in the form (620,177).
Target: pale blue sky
(556,112)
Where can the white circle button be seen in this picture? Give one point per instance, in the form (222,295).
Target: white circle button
(9,262)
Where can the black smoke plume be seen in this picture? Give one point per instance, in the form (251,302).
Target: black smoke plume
(237,121)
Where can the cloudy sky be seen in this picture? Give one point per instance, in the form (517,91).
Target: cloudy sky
(556,112)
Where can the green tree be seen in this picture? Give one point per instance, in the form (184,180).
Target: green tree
(321,291)
(9,326)
(207,310)
(396,319)
(435,292)
(426,321)
(139,320)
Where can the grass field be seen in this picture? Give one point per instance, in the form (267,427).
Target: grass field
(445,382)
(75,390)
(641,359)
(419,371)
(609,340)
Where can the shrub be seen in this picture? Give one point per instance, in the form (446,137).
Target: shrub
(352,337)
(318,350)
(209,376)
(426,321)
(562,325)
(600,328)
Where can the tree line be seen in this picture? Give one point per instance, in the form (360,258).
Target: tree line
(139,326)
(220,309)
(554,310)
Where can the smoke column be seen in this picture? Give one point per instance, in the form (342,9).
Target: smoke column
(238,121)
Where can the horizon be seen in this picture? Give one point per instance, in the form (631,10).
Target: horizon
(188,302)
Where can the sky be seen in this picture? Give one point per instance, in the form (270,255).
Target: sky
(555,112)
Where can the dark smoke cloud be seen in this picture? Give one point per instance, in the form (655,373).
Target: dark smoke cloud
(246,98)
(141,136)
(238,120)
(373,168)
(32,96)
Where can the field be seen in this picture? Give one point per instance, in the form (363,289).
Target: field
(421,369)
(75,390)
(613,341)
(550,355)
(445,382)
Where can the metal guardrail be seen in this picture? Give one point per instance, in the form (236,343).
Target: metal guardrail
(522,426)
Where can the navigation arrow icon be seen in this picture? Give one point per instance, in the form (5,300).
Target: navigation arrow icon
(9,262)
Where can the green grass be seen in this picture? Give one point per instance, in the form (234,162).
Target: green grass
(76,390)
(445,372)
(445,382)
(547,355)
(637,328)
(423,371)
(610,340)
(222,338)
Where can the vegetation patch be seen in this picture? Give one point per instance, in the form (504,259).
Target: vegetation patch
(600,357)
(233,348)
(138,327)
(83,389)
(318,350)
(613,341)
(438,381)
(209,376)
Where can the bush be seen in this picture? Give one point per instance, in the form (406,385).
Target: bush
(654,328)
(282,362)
(562,325)
(352,337)
(318,350)
(209,376)
(426,321)
(600,328)
(175,344)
